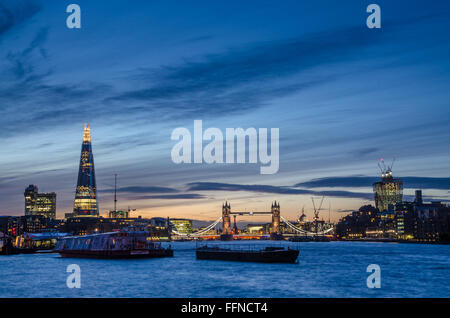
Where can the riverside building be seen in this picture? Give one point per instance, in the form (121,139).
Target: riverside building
(43,204)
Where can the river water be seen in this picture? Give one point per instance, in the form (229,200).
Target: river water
(325,269)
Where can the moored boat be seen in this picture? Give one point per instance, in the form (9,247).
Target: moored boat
(124,244)
(30,243)
(6,245)
(267,254)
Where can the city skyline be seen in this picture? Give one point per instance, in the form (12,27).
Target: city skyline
(342,95)
(414,182)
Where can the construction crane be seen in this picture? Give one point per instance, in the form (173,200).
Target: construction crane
(316,212)
(379,166)
(393,161)
(386,171)
(329,212)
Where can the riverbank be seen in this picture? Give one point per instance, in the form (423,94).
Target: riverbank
(380,240)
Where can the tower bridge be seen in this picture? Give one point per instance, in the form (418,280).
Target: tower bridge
(275,232)
(226,213)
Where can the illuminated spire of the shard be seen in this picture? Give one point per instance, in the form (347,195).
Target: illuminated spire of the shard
(85,203)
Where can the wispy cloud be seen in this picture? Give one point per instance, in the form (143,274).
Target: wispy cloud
(245,78)
(15,12)
(214,186)
(229,82)
(142,189)
(344,210)
(234,81)
(366,151)
(153,192)
(332,182)
(186,196)
(367,181)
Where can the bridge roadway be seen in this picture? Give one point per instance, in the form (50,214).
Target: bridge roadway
(250,213)
(237,236)
(277,218)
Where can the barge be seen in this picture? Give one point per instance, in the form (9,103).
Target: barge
(112,245)
(310,239)
(266,254)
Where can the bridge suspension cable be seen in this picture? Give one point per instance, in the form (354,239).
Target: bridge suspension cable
(299,230)
(206,229)
(289,224)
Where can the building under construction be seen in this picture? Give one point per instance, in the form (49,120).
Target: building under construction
(389,191)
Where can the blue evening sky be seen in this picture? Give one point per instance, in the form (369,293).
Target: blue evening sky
(341,94)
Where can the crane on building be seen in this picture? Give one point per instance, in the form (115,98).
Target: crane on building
(316,212)
(386,171)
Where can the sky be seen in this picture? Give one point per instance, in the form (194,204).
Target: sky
(342,95)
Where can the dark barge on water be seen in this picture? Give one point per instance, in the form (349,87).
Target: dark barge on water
(127,243)
(243,253)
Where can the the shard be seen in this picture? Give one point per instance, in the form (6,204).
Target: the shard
(85,203)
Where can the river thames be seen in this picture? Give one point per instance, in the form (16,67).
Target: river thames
(328,269)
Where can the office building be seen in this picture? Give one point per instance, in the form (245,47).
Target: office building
(388,192)
(36,203)
(85,203)
(183,226)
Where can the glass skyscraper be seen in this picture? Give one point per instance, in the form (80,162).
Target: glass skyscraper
(85,203)
(39,203)
(388,192)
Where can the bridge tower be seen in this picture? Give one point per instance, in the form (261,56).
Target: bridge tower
(226,219)
(275,218)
